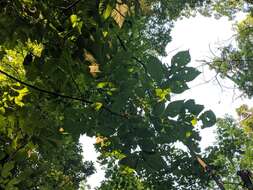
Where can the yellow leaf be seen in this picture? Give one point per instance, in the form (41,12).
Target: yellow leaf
(73,19)
(18,99)
(36,47)
(94,69)
(105,33)
(89,57)
(97,105)
(101,140)
(194,121)
(119,13)
(76,22)
(145,6)
(162,93)
(29,153)
(61,130)
(188,134)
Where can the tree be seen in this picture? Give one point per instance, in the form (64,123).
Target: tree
(235,63)
(235,60)
(123,178)
(75,67)
(232,151)
(228,8)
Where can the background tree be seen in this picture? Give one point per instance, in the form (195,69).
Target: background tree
(233,150)
(234,61)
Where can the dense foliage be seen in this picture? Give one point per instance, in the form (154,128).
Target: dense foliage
(236,60)
(123,178)
(233,149)
(92,67)
(73,67)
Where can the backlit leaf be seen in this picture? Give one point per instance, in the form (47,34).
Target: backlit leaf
(194,121)
(119,13)
(181,59)
(97,105)
(107,11)
(155,68)
(174,108)
(208,118)
(7,168)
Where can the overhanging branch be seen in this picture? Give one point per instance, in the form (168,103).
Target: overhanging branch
(51,93)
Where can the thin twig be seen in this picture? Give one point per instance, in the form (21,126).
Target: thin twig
(71,5)
(60,95)
(133,57)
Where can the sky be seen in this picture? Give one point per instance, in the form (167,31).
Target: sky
(201,36)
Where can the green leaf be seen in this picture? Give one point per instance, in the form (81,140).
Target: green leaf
(155,161)
(208,118)
(189,74)
(129,161)
(97,105)
(2,155)
(7,168)
(155,68)
(21,93)
(174,108)
(181,59)
(13,182)
(73,19)
(188,134)
(178,87)
(107,11)
(159,108)
(2,110)
(76,22)
(147,144)
(193,108)
(162,93)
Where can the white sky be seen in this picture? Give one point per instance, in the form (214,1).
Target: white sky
(199,35)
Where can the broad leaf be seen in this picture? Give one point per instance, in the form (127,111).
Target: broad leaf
(119,13)
(194,108)
(155,68)
(129,161)
(7,168)
(174,108)
(188,74)
(178,87)
(147,145)
(208,118)
(159,108)
(107,11)
(154,161)
(181,59)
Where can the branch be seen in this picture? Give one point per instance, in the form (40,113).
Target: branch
(133,57)
(71,5)
(12,155)
(121,43)
(43,90)
(209,63)
(60,95)
(143,65)
(234,60)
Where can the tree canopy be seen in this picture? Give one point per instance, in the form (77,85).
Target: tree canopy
(69,68)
